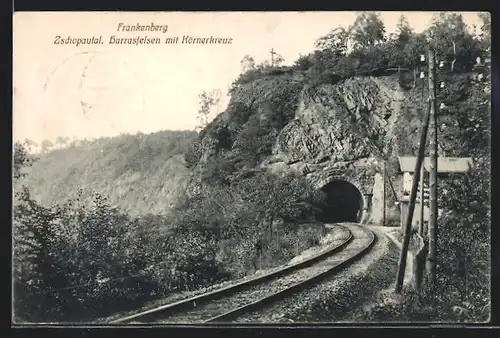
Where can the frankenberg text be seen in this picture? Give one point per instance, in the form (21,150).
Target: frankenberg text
(152,27)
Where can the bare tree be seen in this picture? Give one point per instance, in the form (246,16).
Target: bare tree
(207,102)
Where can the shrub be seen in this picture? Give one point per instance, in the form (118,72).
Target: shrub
(218,170)
(303,63)
(193,153)
(405,80)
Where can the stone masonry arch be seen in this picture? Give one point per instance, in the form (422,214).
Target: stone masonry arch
(322,182)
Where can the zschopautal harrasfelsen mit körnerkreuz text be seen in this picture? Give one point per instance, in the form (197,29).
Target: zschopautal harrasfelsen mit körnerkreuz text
(141,40)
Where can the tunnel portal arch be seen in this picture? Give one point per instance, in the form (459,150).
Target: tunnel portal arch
(344,202)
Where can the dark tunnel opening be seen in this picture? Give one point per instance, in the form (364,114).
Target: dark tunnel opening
(344,203)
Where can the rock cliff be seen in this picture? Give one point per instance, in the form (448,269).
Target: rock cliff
(338,123)
(342,130)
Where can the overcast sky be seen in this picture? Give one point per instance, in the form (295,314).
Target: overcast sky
(103,90)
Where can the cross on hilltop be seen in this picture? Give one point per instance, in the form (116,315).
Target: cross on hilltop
(273,53)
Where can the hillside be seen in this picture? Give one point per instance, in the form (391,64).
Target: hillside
(141,174)
(279,123)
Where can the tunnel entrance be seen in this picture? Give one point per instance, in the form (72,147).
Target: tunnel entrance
(344,202)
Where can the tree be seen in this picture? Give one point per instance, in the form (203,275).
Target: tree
(367,30)
(463,259)
(31,144)
(452,41)
(336,41)
(68,245)
(247,63)
(61,141)
(404,31)
(278,199)
(46,145)
(304,62)
(413,48)
(74,142)
(278,60)
(21,159)
(485,35)
(207,103)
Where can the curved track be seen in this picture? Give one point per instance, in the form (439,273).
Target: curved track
(227,303)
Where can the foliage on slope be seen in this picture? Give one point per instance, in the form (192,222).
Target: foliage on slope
(139,173)
(246,131)
(264,98)
(463,131)
(75,260)
(462,292)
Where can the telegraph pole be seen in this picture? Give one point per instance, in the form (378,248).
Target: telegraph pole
(421,224)
(411,206)
(384,195)
(433,210)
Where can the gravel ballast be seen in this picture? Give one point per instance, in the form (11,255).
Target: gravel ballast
(341,298)
(333,237)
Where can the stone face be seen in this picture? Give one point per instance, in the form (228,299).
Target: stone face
(336,134)
(336,129)
(338,122)
(278,168)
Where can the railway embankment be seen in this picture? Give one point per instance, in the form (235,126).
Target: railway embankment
(333,237)
(341,297)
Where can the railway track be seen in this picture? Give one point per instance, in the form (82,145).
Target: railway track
(225,304)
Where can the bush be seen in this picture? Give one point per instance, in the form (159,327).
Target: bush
(217,170)
(75,259)
(406,80)
(193,153)
(303,63)
(247,225)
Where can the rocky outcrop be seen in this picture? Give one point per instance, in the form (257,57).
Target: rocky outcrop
(339,131)
(342,122)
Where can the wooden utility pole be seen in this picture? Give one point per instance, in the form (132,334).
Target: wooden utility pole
(411,207)
(384,195)
(421,224)
(433,210)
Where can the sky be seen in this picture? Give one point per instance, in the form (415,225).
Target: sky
(95,90)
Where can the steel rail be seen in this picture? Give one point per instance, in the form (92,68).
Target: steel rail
(191,302)
(262,302)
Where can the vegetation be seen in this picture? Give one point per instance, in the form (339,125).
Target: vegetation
(81,252)
(462,291)
(115,167)
(464,131)
(75,259)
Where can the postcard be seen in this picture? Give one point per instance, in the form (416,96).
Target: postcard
(251,167)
